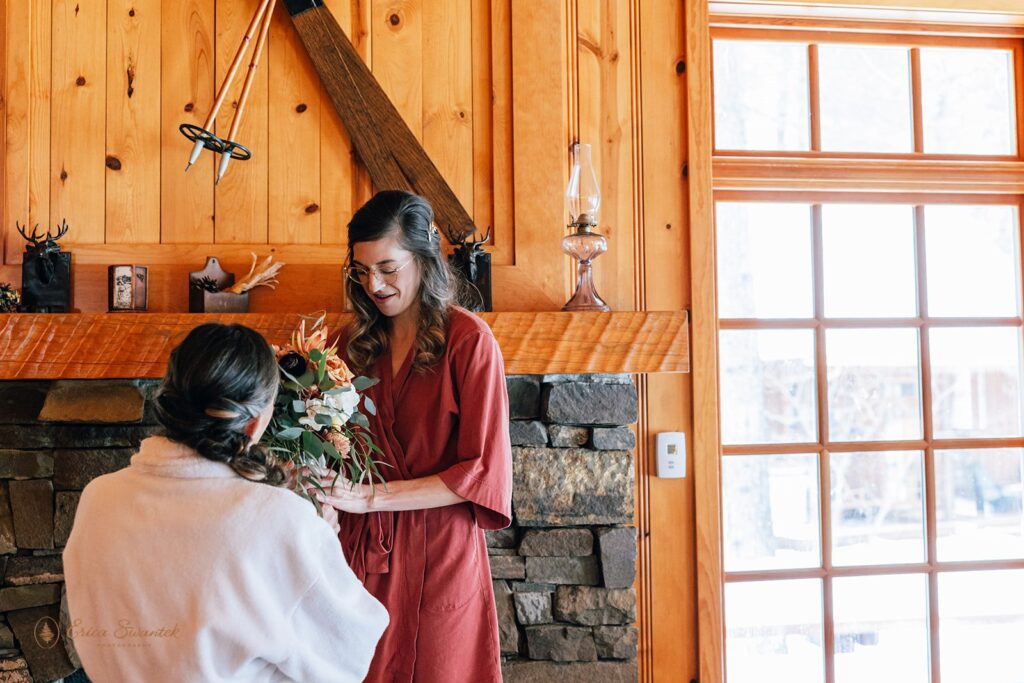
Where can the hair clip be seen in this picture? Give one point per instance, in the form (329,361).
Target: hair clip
(221,414)
(433,232)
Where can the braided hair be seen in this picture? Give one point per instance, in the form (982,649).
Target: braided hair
(218,380)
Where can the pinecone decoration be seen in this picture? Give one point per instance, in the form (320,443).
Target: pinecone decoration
(9,299)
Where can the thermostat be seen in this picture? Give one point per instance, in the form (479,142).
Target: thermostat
(671,455)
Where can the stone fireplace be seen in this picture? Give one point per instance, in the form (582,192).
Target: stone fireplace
(563,573)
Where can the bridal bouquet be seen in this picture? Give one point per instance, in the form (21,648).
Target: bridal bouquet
(318,425)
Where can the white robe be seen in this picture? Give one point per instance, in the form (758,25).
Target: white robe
(178,569)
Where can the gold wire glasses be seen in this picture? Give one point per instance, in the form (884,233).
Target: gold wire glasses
(387,274)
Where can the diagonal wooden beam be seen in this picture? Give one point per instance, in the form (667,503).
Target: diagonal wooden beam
(388,148)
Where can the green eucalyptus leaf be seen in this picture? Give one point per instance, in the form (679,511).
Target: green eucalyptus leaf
(360,419)
(291,433)
(371,407)
(364,383)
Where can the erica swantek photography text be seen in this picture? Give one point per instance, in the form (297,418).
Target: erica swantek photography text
(124,632)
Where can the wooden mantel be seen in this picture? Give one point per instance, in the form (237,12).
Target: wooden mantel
(124,345)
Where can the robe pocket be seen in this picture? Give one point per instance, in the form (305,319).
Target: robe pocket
(453,562)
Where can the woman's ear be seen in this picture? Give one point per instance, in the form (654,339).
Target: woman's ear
(252,426)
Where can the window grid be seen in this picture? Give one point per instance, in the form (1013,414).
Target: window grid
(923,323)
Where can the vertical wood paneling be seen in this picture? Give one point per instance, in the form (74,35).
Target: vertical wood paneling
(669,630)
(78,118)
(482,143)
(344,183)
(41,40)
(241,197)
(187,92)
(397,30)
(500,97)
(16,106)
(448,93)
(540,131)
(294,151)
(133,122)
(603,58)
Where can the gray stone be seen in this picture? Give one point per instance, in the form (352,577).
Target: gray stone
(529,587)
(527,433)
(596,378)
(533,608)
(523,397)
(22,597)
(581,571)
(595,606)
(67,505)
(508,632)
(20,402)
(615,642)
(566,436)
(6,637)
(557,543)
(93,402)
(561,643)
(7,542)
(25,464)
(47,660)
(32,507)
(74,436)
(584,403)
(521,671)
(27,570)
(618,556)
(502,552)
(72,470)
(502,538)
(613,439)
(507,567)
(572,487)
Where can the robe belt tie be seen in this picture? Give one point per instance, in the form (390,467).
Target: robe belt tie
(367,541)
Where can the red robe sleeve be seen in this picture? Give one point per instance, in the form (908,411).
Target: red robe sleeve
(483,473)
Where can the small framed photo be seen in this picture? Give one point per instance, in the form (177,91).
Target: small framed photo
(128,288)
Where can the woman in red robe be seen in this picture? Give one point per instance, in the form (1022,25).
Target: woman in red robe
(442,424)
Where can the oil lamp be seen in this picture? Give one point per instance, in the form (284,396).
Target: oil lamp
(583,201)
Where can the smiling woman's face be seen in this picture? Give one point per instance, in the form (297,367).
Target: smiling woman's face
(382,257)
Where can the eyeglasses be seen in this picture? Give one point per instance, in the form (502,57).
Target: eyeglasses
(387,274)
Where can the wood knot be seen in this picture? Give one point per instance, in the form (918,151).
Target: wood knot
(462,114)
(668,226)
(131,12)
(63,175)
(394,19)
(80,81)
(312,208)
(301,108)
(113,163)
(189,107)
(680,67)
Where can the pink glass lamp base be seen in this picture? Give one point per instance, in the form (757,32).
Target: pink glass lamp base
(585,246)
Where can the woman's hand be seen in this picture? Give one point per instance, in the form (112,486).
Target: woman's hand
(343,495)
(330,515)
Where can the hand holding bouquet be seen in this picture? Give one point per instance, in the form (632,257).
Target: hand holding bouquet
(318,425)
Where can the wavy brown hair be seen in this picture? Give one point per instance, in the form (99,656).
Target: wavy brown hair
(411,218)
(217,381)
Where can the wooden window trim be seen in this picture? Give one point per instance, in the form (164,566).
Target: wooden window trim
(797,177)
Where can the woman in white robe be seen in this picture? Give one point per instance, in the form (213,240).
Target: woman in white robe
(193,564)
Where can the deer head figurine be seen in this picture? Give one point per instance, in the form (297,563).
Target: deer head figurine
(45,270)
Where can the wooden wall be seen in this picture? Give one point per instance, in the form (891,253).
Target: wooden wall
(496,90)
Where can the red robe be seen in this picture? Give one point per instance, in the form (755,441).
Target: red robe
(429,567)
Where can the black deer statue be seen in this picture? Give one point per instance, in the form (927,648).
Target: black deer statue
(45,272)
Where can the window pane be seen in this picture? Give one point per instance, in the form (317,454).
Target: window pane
(881,628)
(972,256)
(768,387)
(764,260)
(874,385)
(967,101)
(877,508)
(976,382)
(865,99)
(761,95)
(770,511)
(869,263)
(773,631)
(978,499)
(981,626)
